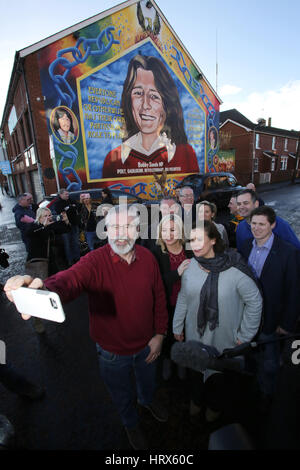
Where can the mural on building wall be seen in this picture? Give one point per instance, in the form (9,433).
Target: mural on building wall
(224,160)
(124,103)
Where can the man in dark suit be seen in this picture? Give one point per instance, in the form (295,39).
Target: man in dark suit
(275,263)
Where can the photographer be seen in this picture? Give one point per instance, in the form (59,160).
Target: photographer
(41,237)
(64,203)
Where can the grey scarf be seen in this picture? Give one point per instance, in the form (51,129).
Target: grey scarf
(208,311)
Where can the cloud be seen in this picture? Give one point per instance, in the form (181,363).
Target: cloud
(227,90)
(281,105)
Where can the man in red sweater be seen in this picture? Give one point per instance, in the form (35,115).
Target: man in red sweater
(128,315)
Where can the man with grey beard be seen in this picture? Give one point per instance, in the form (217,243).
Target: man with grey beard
(128,315)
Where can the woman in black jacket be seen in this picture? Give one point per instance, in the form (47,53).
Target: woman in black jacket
(173,259)
(41,235)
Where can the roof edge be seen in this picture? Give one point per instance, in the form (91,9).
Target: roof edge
(11,87)
(237,124)
(61,34)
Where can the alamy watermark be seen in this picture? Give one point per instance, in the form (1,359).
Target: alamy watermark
(296,354)
(2,352)
(149,218)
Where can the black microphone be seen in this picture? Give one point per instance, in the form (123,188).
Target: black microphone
(199,357)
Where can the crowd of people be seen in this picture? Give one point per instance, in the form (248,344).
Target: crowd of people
(222,285)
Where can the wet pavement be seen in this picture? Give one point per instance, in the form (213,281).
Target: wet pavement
(76,412)
(285,200)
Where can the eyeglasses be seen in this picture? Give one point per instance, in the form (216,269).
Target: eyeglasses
(118,228)
(187,196)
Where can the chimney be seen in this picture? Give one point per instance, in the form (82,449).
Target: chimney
(269,122)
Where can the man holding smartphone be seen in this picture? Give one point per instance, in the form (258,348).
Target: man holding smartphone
(128,315)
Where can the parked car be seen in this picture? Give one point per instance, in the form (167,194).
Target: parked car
(213,187)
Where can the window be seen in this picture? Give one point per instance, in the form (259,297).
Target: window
(26,156)
(212,183)
(32,154)
(27,125)
(273,143)
(286,144)
(283,163)
(257,139)
(273,164)
(12,120)
(255,165)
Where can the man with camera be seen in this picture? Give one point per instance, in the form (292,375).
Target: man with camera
(128,315)
(64,203)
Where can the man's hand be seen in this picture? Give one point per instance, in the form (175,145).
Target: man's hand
(155,345)
(15,282)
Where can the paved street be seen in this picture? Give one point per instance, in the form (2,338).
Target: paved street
(76,412)
(286,202)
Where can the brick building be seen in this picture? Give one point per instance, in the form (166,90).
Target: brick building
(263,154)
(80,73)
(22,122)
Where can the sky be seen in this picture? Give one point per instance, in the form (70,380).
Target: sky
(255,44)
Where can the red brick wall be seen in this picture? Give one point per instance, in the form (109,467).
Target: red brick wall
(265,162)
(39,117)
(241,141)
(29,131)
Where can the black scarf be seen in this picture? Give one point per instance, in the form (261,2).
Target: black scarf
(208,311)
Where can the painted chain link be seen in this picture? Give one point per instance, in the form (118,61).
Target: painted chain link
(66,95)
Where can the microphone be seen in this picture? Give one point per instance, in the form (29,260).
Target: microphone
(199,357)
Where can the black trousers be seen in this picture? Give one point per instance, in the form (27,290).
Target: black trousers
(228,392)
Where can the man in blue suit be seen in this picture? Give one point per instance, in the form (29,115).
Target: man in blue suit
(247,201)
(275,263)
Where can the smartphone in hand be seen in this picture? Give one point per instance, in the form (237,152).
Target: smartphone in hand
(38,303)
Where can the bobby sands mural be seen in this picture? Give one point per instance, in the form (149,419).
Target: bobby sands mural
(154,124)
(124,102)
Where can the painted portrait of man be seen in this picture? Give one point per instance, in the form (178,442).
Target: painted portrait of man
(154,131)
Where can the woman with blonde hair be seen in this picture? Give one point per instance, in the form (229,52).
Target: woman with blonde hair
(42,236)
(208,211)
(173,259)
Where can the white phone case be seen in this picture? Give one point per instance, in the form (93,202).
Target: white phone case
(39,303)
